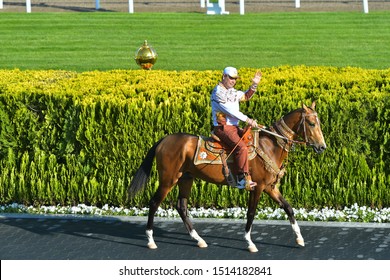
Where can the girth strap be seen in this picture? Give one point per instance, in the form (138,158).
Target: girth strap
(271,166)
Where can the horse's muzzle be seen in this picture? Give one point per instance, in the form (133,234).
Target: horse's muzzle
(319,148)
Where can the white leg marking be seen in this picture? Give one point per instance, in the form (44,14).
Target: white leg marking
(251,246)
(297,232)
(201,242)
(151,243)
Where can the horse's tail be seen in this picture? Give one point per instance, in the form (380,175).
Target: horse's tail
(142,175)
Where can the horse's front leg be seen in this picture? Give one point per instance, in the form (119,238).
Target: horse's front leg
(251,246)
(294,224)
(278,198)
(254,198)
(298,234)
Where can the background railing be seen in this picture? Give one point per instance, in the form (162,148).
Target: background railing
(233,6)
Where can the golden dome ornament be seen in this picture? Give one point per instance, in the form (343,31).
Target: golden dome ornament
(146,56)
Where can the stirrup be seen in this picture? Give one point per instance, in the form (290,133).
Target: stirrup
(247,184)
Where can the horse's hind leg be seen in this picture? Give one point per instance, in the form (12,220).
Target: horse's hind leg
(154,203)
(278,198)
(185,184)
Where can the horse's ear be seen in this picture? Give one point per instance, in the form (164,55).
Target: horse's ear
(313,106)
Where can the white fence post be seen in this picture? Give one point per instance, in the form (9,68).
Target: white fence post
(242,7)
(131,6)
(297,3)
(221,4)
(203,3)
(28,6)
(365,6)
(1,4)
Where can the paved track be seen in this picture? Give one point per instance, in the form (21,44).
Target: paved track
(40,237)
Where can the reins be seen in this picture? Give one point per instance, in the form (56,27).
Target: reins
(281,136)
(284,129)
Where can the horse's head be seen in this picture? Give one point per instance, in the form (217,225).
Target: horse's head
(303,123)
(309,128)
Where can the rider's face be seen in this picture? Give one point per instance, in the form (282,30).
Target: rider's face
(228,81)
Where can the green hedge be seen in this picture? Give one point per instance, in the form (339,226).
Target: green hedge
(69,138)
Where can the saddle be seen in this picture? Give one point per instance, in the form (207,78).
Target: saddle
(211,150)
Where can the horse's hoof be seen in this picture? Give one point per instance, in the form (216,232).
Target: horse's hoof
(152,246)
(202,244)
(253,249)
(301,242)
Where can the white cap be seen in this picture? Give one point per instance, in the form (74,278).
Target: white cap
(231,71)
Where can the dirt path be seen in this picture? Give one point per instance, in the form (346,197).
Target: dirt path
(251,6)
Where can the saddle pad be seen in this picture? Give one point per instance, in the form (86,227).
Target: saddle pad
(208,151)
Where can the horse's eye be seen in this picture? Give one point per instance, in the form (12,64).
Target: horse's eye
(312,124)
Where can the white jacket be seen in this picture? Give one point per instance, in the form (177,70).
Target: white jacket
(227,101)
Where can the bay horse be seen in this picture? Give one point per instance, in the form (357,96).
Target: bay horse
(175,153)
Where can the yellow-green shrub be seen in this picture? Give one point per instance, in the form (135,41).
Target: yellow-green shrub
(68,138)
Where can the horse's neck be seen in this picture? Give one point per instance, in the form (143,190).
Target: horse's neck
(284,130)
(269,144)
(287,126)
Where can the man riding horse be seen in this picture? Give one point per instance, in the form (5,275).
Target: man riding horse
(175,157)
(226,115)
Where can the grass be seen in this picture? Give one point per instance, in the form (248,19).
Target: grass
(104,41)
(191,41)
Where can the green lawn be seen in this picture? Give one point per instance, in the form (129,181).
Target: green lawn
(184,41)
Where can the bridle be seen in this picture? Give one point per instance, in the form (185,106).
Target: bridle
(286,136)
(302,123)
(285,139)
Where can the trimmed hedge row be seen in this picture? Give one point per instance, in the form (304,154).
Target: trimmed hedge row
(69,138)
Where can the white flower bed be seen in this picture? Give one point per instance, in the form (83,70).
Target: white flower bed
(354,213)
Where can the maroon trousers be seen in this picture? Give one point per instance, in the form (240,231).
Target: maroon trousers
(230,135)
